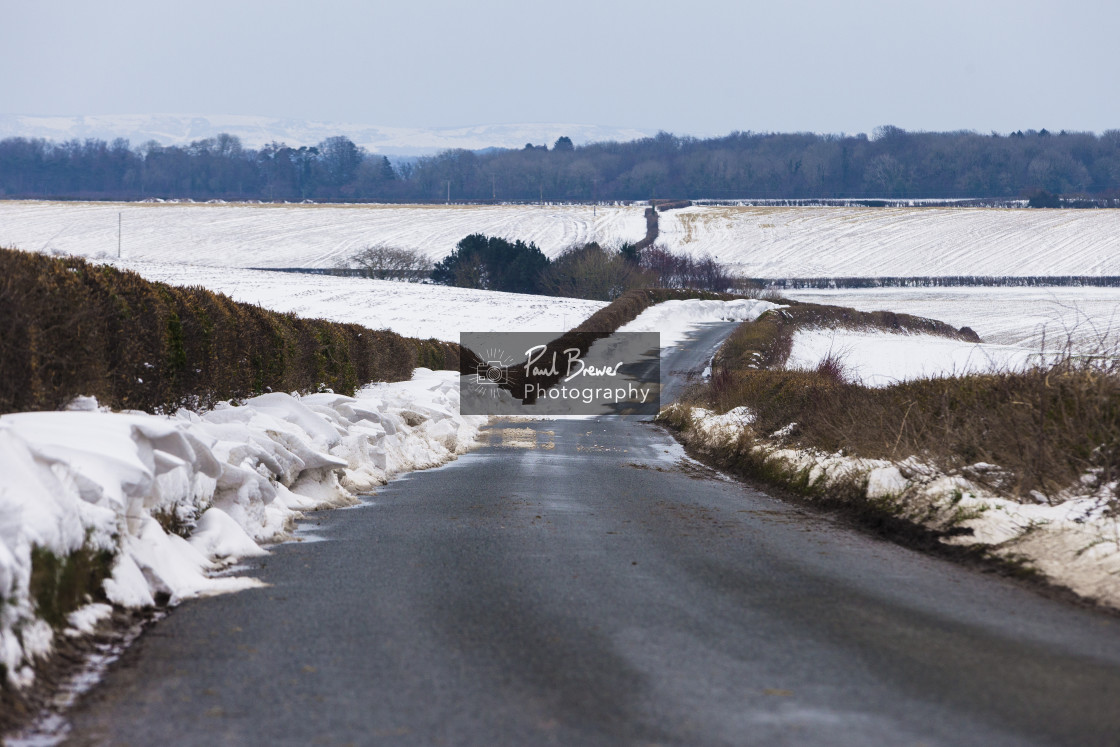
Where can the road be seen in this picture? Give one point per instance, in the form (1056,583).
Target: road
(581,582)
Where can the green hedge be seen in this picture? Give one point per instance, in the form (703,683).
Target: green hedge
(69,327)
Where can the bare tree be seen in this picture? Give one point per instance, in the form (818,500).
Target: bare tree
(390,263)
(590,272)
(671,270)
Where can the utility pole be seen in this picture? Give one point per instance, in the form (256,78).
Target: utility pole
(493,188)
(118,235)
(448,191)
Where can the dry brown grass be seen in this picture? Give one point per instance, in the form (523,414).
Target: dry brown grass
(1045,429)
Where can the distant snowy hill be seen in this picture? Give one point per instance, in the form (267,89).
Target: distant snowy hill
(180,129)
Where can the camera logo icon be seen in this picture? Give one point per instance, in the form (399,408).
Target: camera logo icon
(491,373)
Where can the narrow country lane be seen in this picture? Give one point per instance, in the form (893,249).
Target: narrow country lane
(581,582)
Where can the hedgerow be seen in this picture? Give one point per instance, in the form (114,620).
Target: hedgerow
(69,328)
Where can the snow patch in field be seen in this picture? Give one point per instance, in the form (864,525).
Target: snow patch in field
(875,358)
(175,499)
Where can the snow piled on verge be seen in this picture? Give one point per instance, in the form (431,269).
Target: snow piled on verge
(1071,538)
(227,480)
(880,358)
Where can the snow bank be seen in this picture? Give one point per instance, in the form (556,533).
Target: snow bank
(173,498)
(879,358)
(1072,538)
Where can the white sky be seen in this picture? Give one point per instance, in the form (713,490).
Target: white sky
(700,67)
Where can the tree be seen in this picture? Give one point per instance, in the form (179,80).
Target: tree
(387,173)
(340,160)
(887,174)
(390,263)
(1044,199)
(630,252)
(491,263)
(895,163)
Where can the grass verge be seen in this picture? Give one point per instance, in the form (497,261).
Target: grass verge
(1019,466)
(1047,427)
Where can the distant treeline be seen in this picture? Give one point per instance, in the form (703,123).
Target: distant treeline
(946,281)
(893,164)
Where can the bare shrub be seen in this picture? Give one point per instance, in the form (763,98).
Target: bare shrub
(391,263)
(593,273)
(670,270)
(832,367)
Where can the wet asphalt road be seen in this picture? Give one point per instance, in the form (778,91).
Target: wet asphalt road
(579,582)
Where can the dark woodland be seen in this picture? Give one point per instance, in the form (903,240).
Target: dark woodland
(893,163)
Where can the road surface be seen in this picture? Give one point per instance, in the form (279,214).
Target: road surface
(581,582)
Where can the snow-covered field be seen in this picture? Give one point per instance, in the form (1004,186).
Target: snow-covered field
(774,242)
(297,235)
(1007,316)
(237,476)
(410,309)
(781,242)
(875,358)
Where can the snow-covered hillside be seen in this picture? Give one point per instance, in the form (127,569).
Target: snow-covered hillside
(771,242)
(181,129)
(410,309)
(782,242)
(297,235)
(777,242)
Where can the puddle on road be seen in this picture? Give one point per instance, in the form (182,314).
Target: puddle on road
(685,466)
(522,438)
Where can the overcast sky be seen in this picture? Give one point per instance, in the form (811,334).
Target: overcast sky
(700,67)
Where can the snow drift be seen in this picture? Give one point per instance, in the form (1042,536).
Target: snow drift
(170,499)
